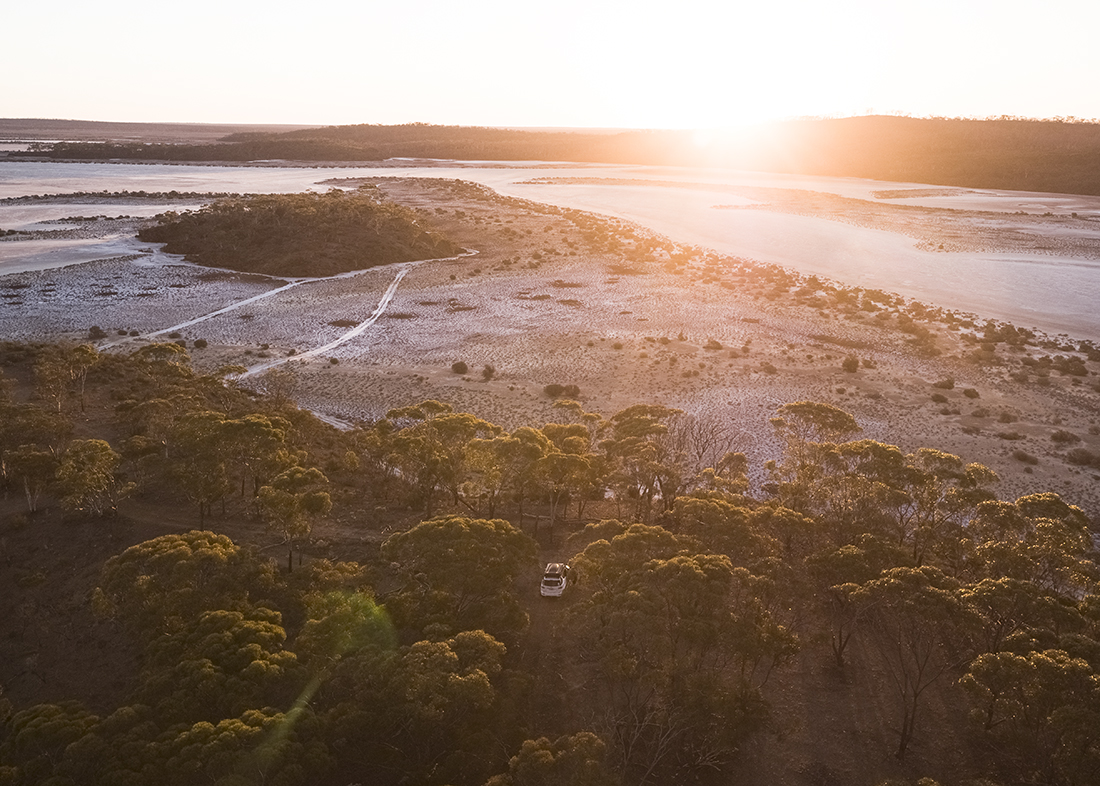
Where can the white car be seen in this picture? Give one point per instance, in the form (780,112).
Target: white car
(554,579)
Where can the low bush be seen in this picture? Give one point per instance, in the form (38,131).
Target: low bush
(555,390)
(1082,457)
(1063,437)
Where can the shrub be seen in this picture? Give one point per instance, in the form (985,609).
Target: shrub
(971,393)
(617,345)
(1081,457)
(712,344)
(1007,417)
(487,372)
(555,390)
(944,384)
(459,367)
(200,343)
(1024,457)
(1010,435)
(1063,437)
(939,398)
(850,364)
(95,332)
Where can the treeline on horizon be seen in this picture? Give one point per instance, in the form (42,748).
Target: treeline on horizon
(1059,156)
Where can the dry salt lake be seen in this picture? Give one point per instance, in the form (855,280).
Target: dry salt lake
(1046,273)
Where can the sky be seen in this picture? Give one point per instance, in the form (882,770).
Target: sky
(569,63)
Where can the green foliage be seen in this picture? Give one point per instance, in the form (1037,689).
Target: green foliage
(420,710)
(430,447)
(1042,709)
(1040,538)
(676,645)
(161,585)
(38,737)
(218,666)
(915,620)
(299,234)
(807,429)
(340,624)
(576,759)
(34,469)
(726,528)
(293,502)
(459,574)
(86,478)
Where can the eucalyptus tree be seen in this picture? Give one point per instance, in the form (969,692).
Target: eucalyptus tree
(1041,709)
(808,431)
(917,623)
(459,574)
(430,444)
(632,447)
(86,478)
(575,759)
(677,645)
(293,502)
(33,468)
(1038,538)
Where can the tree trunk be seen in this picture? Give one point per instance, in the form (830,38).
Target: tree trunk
(909,717)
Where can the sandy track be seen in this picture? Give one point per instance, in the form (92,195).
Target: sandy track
(358,330)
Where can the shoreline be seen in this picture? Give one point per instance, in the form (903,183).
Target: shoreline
(560,296)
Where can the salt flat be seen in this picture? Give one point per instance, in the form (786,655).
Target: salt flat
(1051,288)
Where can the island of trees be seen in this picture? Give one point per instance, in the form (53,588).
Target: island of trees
(358,606)
(299,235)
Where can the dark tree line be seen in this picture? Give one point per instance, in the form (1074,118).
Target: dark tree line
(1057,155)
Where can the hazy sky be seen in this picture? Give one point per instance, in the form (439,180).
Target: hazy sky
(593,63)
